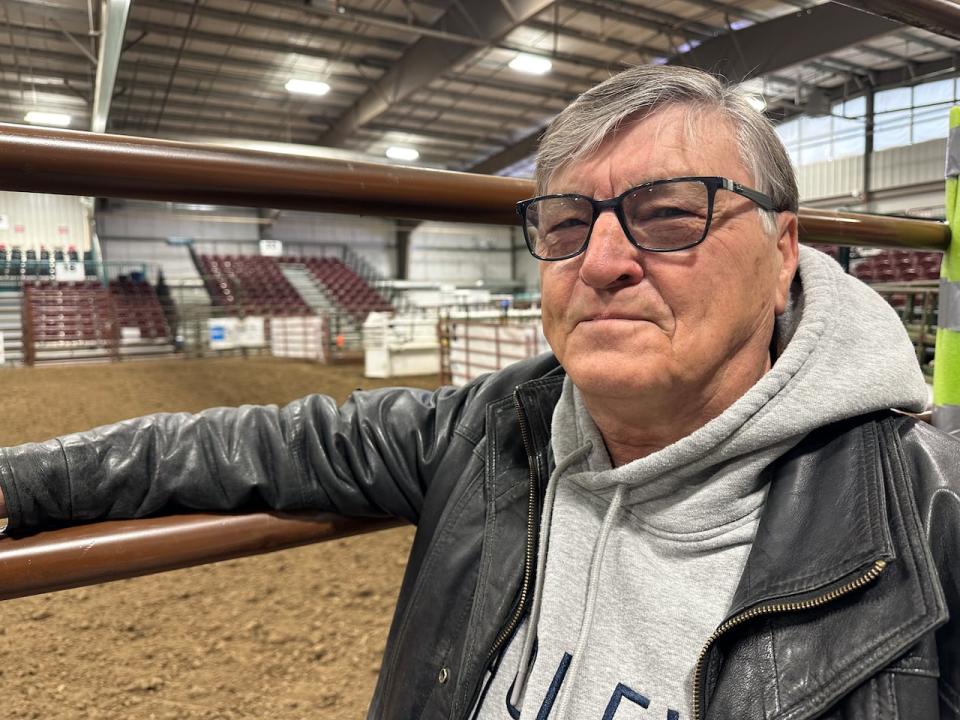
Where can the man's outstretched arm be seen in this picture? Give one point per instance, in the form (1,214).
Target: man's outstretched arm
(374,456)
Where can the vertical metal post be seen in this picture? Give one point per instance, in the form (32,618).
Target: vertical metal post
(402,236)
(946,373)
(869,125)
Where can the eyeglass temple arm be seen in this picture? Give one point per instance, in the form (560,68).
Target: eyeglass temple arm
(764,201)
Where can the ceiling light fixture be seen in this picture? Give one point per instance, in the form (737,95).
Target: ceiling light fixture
(531,64)
(35,117)
(408,154)
(307,87)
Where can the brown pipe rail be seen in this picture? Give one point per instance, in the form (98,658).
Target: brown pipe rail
(831,227)
(100,552)
(81,163)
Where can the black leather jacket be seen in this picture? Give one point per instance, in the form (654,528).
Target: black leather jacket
(842,610)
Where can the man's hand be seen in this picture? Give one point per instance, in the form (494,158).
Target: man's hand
(3,506)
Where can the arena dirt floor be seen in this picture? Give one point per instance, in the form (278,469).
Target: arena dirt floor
(293,634)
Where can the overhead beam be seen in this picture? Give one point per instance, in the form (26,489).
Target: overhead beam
(516,152)
(610,42)
(759,49)
(264,21)
(671,26)
(113,26)
(256,68)
(429,57)
(564,94)
(937,16)
(228,113)
(884,80)
(490,139)
(784,41)
(334,58)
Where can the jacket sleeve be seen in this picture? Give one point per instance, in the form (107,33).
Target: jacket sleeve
(933,460)
(374,456)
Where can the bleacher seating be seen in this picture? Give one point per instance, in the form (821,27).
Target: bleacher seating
(137,306)
(70,320)
(252,284)
(898,266)
(345,287)
(89,264)
(17,262)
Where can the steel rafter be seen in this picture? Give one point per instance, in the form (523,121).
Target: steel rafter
(941,17)
(258,44)
(784,41)
(429,57)
(689,30)
(262,21)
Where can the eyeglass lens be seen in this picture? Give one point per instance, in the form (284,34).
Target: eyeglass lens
(666,216)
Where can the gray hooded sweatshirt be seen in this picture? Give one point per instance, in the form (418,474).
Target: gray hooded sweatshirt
(637,565)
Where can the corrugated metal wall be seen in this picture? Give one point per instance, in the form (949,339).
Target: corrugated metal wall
(372,238)
(901,179)
(831,179)
(137,233)
(909,165)
(451,252)
(32,220)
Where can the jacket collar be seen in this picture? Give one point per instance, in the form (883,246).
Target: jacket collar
(824,520)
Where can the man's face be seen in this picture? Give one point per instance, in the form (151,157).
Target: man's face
(627,323)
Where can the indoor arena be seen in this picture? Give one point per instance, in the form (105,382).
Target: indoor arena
(315,328)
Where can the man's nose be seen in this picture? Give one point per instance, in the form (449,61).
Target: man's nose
(610,258)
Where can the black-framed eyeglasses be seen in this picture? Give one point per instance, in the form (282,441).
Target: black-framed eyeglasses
(658,216)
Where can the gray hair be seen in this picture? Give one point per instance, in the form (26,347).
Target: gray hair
(644,90)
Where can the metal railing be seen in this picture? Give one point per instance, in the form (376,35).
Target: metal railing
(916,302)
(77,163)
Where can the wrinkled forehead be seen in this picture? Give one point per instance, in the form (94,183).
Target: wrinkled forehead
(675,141)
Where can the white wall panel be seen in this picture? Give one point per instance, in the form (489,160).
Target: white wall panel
(148,220)
(370,237)
(35,219)
(908,165)
(175,260)
(136,232)
(906,179)
(831,178)
(454,252)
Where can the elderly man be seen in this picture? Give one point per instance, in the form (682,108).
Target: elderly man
(700,506)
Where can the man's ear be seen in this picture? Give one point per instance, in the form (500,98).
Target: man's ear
(788,253)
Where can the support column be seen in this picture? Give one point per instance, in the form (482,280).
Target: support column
(946,376)
(404,229)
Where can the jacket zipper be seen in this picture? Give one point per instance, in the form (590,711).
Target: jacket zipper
(869,576)
(529,556)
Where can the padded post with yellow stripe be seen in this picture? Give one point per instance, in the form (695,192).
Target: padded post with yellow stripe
(946,374)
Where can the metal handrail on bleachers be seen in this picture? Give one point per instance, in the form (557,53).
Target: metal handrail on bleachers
(78,163)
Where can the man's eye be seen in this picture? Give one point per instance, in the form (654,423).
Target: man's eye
(671,212)
(567,224)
